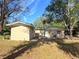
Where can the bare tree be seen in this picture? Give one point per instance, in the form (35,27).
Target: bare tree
(5,11)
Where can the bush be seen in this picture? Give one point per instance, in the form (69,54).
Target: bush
(7,37)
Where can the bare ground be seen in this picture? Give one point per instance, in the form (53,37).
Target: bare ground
(6,46)
(39,50)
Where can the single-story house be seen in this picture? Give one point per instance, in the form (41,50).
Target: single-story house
(51,32)
(21,31)
(56,32)
(41,32)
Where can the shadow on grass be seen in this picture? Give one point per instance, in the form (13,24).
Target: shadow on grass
(72,48)
(69,48)
(20,50)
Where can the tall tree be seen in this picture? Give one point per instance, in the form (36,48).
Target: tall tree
(65,10)
(41,23)
(38,23)
(3,11)
(6,10)
(72,14)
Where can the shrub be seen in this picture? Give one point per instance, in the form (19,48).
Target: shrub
(7,37)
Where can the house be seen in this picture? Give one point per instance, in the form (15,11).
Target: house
(21,31)
(39,31)
(51,32)
(56,32)
(42,32)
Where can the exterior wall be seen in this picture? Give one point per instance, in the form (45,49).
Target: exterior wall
(62,34)
(47,34)
(41,32)
(32,33)
(57,34)
(20,33)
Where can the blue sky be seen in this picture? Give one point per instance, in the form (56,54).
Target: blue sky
(36,9)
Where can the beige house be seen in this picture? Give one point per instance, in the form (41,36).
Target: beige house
(56,32)
(21,31)
(51,32)
(41,32)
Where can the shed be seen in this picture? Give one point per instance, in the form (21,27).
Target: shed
(21,31)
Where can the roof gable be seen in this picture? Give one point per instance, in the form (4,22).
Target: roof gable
(18,23)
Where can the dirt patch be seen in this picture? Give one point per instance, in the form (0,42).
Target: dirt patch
(6,46)
(38,50)
(46,51)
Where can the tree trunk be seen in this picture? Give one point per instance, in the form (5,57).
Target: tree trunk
(2,15)
(1,20)
(0,27)
(71,32)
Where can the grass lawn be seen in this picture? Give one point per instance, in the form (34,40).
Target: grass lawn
(50,51)
(6,46)
(38,50)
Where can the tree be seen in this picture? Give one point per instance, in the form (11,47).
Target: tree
(72,14)
(41,24)
(65,10)
(3,12)
(6,11)
(38,23)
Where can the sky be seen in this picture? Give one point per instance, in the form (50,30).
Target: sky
(36,9)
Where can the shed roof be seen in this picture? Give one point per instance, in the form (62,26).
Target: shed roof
(19,23)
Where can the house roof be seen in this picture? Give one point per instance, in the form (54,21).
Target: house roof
(19,23)
(52,29)
(57,29)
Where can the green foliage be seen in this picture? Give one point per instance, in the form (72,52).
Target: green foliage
(39,23)
(57,25)
(5,31)
(56,9)
(64,10)
(73,12)
(6,37)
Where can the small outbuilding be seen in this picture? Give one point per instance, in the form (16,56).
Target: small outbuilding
(21,31)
